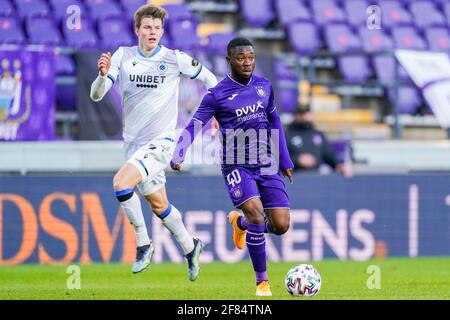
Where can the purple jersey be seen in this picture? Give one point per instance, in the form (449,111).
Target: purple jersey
(247,117)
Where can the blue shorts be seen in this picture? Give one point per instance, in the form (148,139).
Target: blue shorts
(244,184)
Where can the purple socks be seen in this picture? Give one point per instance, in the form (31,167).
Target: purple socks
(256,246)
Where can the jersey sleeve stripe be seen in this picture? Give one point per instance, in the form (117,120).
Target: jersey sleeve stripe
(198,72)
(111,77)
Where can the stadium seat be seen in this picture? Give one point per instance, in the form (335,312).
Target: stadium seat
(6,8)
(183,34)
(327,11)
(393,14)
(374,40)
(438,38)
(283,71)
(43,30)
(288,99)
(355,68)
(10,31)
(409,99)
(131,6)
(304,37)
(257,13)
(384,66)
(100,9)
(82,37)
(432,17)
(218,42)
(178,12)
(65,66)
(340,39)
(407,38)
(114,32)
(30,8)
(356,11)
(290,11)
(66,94)
(59,8)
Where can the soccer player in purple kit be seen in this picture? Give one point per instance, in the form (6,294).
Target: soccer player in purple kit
(243,104)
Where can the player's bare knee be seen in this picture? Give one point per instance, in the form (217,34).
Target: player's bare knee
(159,207)
(254,215)
(119,184)
(281,228)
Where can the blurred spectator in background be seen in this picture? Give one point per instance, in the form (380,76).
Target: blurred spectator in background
(309,148)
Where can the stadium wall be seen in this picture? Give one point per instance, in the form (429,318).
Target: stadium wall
(75,219)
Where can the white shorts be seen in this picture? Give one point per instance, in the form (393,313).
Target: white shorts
(151,159)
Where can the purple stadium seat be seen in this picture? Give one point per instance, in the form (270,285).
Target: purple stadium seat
(66,94)
(384,66)
(288,99)
(356,11)
(184,34)
(178,11)
(283,72)
(31,8)
(114,32)
(10,31)
(131,6)
(82,37)
(409,99)
(374,40)
(6,8)
(446,9)
(432,16)
(100,9)
(59,7)
(304,37)
(355,67)
(393,13)
(407,38)
(292,11)
(438,38)
(340,38)
(43,30)
(257,13)
(65,66)
(327,11)
(217,42)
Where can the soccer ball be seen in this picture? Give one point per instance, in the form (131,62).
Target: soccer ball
(303,280)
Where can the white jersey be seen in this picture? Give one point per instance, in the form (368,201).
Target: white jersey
(149,88)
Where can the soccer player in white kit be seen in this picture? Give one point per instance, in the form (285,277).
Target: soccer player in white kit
(149,77)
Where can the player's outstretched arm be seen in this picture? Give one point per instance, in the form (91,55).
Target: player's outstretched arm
(101,84)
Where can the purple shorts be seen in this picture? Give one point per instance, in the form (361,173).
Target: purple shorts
(244,184)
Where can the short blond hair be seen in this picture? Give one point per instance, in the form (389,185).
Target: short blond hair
(149,10)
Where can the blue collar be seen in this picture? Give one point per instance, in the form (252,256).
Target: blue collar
(158,48)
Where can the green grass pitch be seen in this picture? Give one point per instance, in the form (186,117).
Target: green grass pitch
(401,278)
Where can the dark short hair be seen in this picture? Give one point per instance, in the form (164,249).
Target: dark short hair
(302,109)
(149,10)
(236,42)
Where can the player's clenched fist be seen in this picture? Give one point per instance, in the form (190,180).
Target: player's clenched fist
(104,63)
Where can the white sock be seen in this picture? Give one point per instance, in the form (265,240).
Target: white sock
(133,211)
(174,223)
